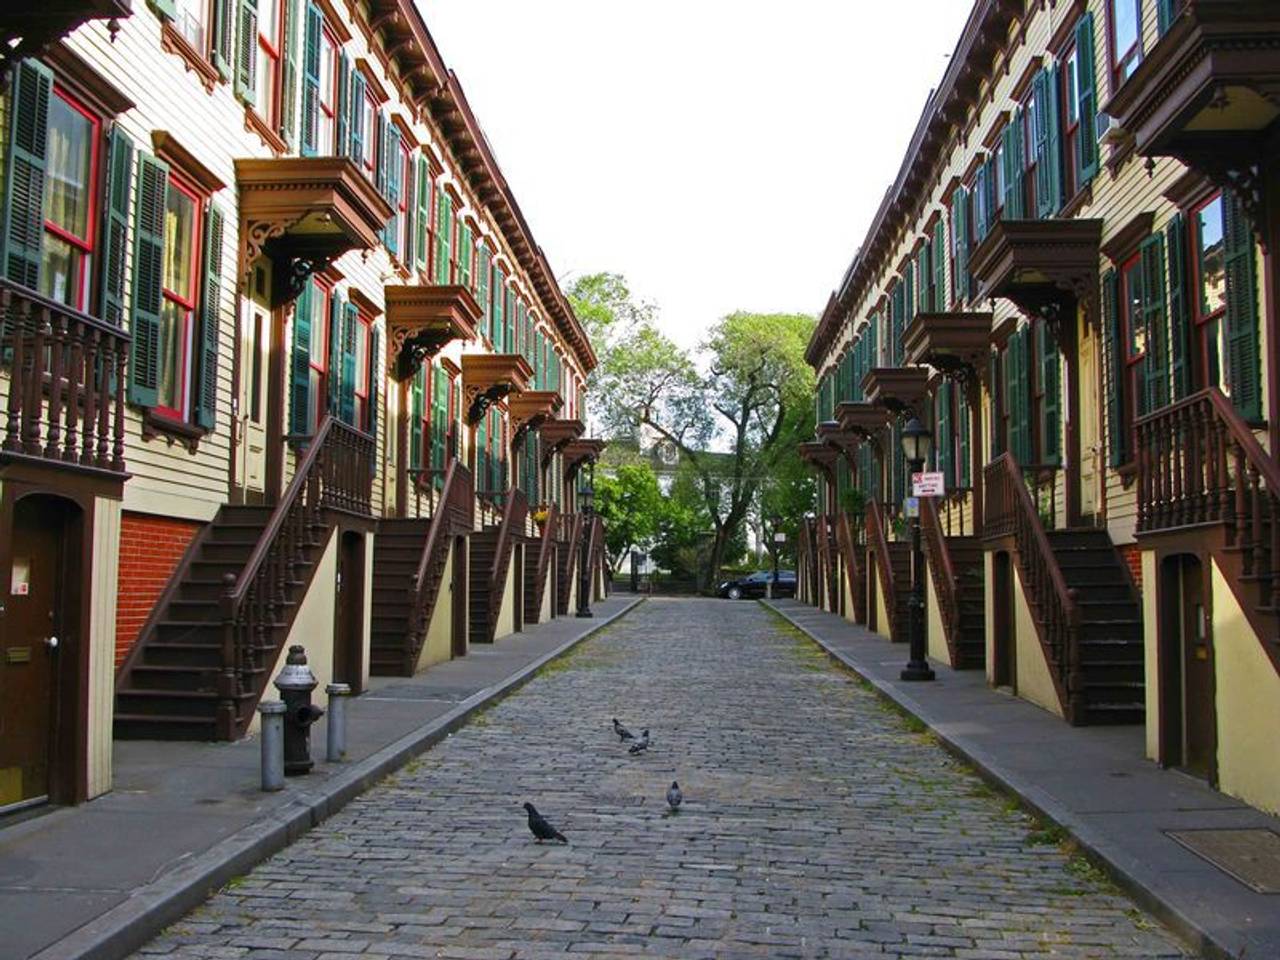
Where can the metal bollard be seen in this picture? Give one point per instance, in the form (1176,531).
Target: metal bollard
(336,734)
(272,714)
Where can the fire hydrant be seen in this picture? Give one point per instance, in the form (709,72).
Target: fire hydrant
(295,683)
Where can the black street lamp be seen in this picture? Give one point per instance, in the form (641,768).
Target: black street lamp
(587,493)
(916,442)
(776,522)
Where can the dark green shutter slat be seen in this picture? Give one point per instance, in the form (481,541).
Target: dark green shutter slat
(334,364)
(247,50)
(416,390)
(997,392)
(422,214)
(342,114)
(1179,315)
(946,440)
(483,267)
(148,275)
(1011,159)
(347,396)
(1113,336)
(300,363)
(1048,143)
(223,42)
(1242,310)
(380,148)
(1155,363)
(356,133)
(210,321)
(394,174)
(1050,396)
(939,265)
(375,371)
(960,225)
(962,414)
(25,165)
(115,226)
(1086,102)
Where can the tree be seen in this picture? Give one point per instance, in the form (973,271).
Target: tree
(753,399)
(629,502)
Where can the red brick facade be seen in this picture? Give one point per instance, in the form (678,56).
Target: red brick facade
(1132,556)
(150,548)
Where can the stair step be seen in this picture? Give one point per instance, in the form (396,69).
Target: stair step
(184,703)
(157,726)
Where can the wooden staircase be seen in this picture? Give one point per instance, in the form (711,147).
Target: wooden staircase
(409,560)
(490,556)
(202,660)
(893,564)
(1086,611)
(537,574)
(959,582)
(854,556)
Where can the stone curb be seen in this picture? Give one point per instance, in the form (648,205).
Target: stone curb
(1096,848)
(129,925)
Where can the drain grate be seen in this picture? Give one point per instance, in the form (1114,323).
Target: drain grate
(1251,856)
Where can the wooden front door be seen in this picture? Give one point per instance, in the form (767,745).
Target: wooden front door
(32,642)
(1091,406)
(250,477)
(458,595)
(1004,661)
(348,647)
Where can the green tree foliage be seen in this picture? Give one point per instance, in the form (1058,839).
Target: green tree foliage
(632,507)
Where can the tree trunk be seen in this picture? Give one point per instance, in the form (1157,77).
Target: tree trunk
(712,572)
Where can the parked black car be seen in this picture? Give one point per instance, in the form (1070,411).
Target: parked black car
(755,584)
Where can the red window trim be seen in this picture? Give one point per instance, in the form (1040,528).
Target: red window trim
(275,55)
(330,110)
(190,303)
(1113,60)
(325,290)
(1071,130)
(86,246)
(1193,221)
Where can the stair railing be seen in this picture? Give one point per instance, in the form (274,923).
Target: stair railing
(335,473)
(1200,463)
(513,516)
(942,571)
(878,542)
(454,514)
(546,550)
(853,567)
(1010,512)
(571,528)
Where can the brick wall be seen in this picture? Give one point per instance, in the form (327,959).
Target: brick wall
(150,548)
(1132,556)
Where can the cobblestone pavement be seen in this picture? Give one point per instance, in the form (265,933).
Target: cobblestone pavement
(816,824)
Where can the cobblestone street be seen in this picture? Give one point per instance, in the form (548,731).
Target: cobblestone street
(816,824)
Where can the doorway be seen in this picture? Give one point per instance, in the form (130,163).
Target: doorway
(1091,466)
(1188,721)
(348,647)
(458,592)
(249,470)
(39,653)
(1004,661)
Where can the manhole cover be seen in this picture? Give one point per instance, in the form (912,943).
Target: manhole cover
(1251,856)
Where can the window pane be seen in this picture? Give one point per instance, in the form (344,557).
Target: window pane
(1124,24)
(1213,275)
(189,19)
(179,232)
(60,271)
(1132,285)
(1072,87)
(173,354)
(269,22)
(362,360)
(328,72)
(319,328)
(66,198)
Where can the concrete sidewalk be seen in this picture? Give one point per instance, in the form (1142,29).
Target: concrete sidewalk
(98,880)
(1092,781)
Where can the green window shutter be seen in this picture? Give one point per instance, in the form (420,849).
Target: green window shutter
(464,255)
(288,72)
(484,265)
(311,32)
(115,226)
(939,265)
(422,215)
(347,397)
(1045,142)
(375,376)
(908,295)
(1050,396)
(1114,347)
(444,239)
(499,309)
(1242,310)
(342,113)
(1166,12)
(148,275)
(300,363)
(1010,384)
(1155,363)
(898,304)
(25,165)
(960,227)
(998,390)
(223,39)
(206,392)
(381,167)
(962,415)
(981,210)
(247,50)
(1055,123)
(166,8)
(337,346)
(1086,101)
(1011,167)
(416,389)
(1175,235)
(408,190)
(394,174)
(439,416)
(508,320)
(356,133)
(945,440)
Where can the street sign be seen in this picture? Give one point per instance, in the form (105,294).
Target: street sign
(911,507)
(927,485)
(779,537)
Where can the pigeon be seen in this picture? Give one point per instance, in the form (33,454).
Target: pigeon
(540,828)
(623,733)
(641,745)
(674,796)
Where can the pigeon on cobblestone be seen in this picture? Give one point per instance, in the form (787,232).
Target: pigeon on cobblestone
(540,828)
(674,796)
(641,745)
(623,733)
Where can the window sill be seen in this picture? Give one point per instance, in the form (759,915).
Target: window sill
(254,123)
(171,41)
(156,425)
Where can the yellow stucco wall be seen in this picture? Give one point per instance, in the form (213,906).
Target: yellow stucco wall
(935,637)
(102,642)
(882,611)
(507,612)
(1150,651)
(549,591)
(438,644)
(1248,705)
(847,595)
(1035,682)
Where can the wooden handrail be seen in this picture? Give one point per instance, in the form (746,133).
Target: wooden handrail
(853,569)
(546,545)
(878,541)
(456,508)
(941,569)
(513,514)
(1010,511)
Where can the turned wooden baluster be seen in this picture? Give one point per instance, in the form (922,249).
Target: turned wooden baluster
(94,372)
(13,339)
(53,435)
(75,370)
(33,403)
(1239,533)
(103,449)
(1259,542)
(117,404)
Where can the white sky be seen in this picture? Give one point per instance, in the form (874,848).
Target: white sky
(721,154)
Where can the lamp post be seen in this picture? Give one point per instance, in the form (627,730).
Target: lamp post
(916,441)
(775,522)
(587,493)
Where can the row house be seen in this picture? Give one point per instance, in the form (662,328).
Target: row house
(280,362)
(1072,284)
